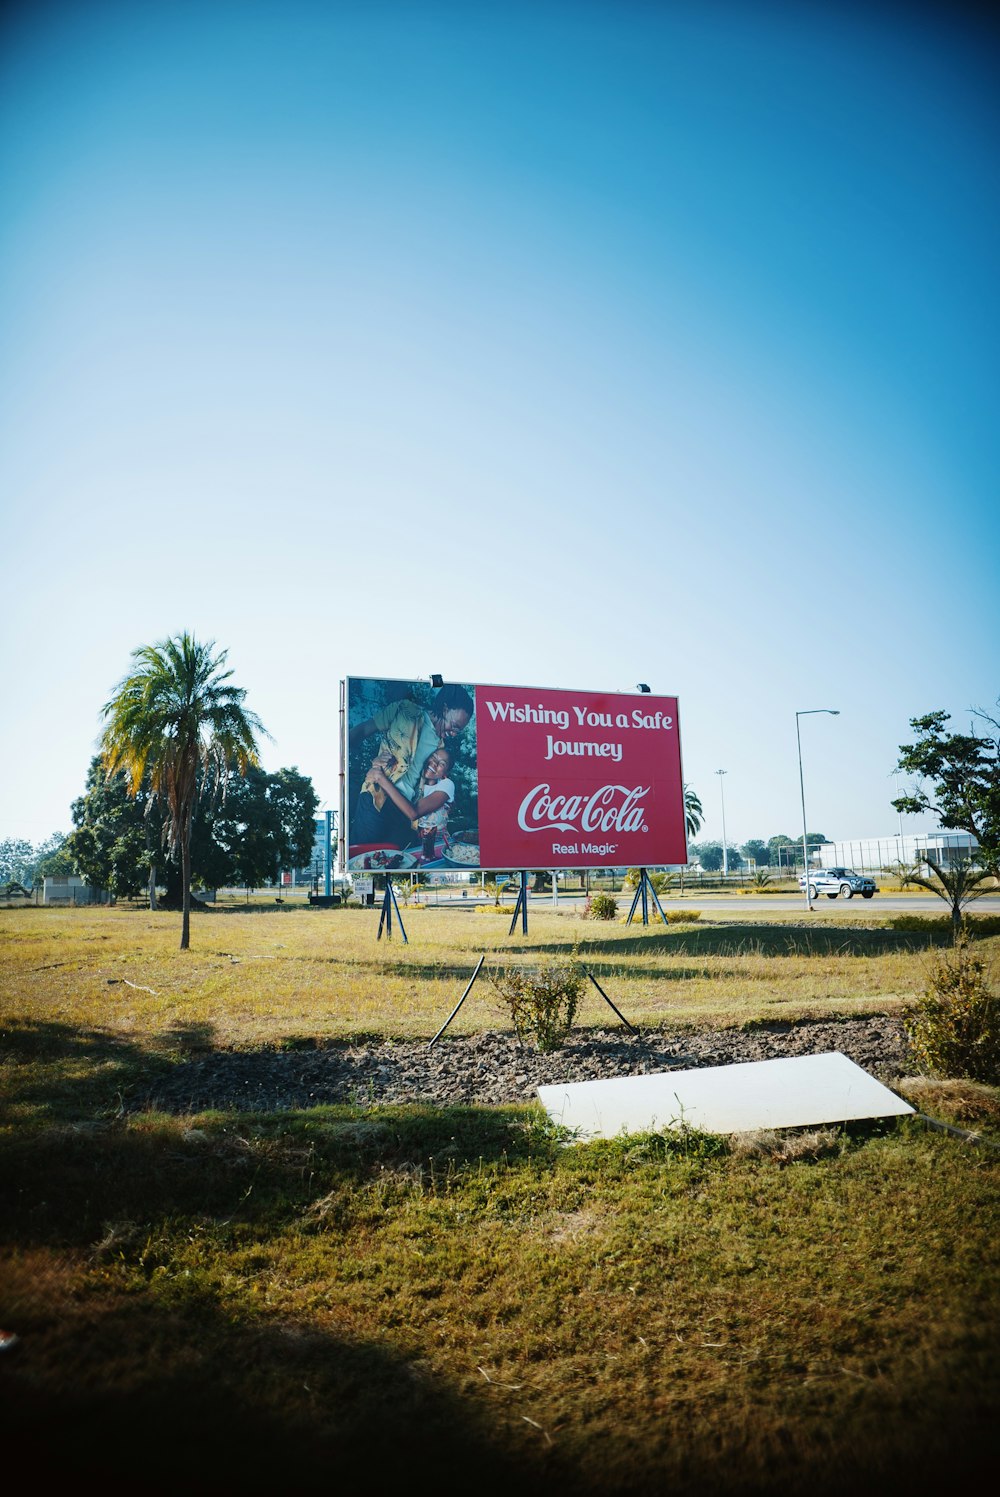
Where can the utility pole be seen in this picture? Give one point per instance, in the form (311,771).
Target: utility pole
(725,849)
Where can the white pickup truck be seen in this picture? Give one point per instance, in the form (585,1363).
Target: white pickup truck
(834,881)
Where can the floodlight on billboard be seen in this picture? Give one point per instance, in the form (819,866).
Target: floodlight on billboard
(475,776)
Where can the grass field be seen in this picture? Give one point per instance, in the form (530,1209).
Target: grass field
(245,1302)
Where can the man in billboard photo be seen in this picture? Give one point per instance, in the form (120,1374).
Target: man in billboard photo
(408,735)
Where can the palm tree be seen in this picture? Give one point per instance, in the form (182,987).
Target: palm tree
(693,813)
(170,717)
(957,885)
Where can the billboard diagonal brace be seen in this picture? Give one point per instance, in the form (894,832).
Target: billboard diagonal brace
(521,907)
(656,901)
(458,1005)
(607,1000)
(399,918)
(635,900)
(388,905)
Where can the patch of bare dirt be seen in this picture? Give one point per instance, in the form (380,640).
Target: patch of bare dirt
(493,1069)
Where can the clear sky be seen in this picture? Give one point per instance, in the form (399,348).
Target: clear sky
(566,345)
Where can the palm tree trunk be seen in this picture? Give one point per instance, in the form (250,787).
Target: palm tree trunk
(152,861)
(186,883)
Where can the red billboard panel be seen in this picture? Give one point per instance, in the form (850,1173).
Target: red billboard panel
(571,779)
(510,777)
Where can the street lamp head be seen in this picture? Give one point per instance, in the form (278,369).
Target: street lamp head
(641,686)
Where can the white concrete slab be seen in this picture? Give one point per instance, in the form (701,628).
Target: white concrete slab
(798,1091)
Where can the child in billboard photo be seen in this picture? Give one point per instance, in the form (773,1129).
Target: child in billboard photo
(409,733)
(428,813)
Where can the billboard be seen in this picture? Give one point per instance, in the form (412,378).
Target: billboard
(508,777)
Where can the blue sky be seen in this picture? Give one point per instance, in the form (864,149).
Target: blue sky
(566,345)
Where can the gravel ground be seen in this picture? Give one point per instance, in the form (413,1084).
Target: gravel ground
(493,1069)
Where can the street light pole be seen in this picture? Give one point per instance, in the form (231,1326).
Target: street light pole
(725,849)
(809,712)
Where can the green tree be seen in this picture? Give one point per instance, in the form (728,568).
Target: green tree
(17,861)
(756,851)
(265,823)
(53,859)
(22,863)
(115,834)
(693,813)
(957,884)
(172,716)
(709,855)
(265,820)
(964,774)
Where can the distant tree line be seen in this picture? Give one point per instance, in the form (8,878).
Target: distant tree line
(261,824)
(264,823)
(26,863)
(777,852)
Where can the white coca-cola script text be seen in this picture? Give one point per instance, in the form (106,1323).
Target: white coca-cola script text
(613,808)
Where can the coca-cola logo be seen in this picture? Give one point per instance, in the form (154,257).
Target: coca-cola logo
(613,808)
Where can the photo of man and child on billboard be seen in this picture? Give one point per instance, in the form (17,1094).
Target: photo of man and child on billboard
(412,793)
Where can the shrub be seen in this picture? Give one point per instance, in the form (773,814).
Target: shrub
(954,1029)
(921,925)
(975,925)
(982,925)
(681,917)
(904,873)
(601,907)
(543,1000)
(661,882)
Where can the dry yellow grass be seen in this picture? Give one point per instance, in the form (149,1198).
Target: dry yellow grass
(257,977)
(376,1292)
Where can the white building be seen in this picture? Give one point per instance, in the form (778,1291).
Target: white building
(71,889)
(871,854)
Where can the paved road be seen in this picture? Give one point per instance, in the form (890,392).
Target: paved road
(747,904)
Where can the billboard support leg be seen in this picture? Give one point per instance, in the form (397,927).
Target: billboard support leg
(388,905)
(458,1005)
(607,1000)
(521,907)
(656,901)
(645,891)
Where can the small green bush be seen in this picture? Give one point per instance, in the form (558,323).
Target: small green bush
(602,907)
(981,925)
(954,1029)
(543,1000)
(921,925)
(975,925)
